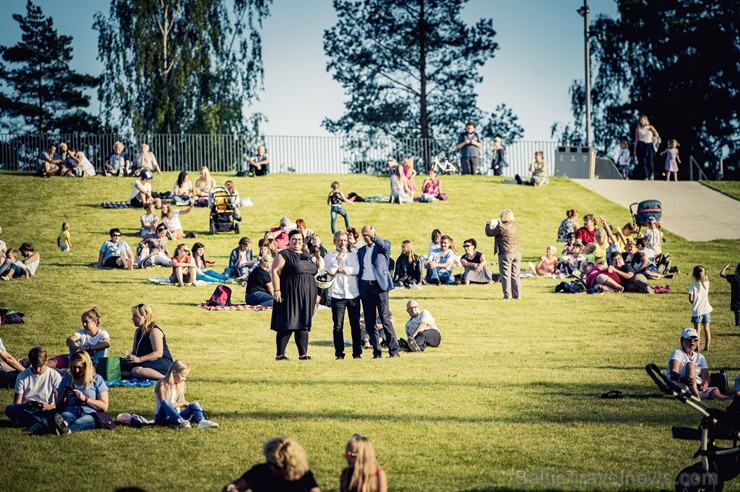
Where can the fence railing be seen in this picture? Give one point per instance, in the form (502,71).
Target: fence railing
(288,154)
(695,165)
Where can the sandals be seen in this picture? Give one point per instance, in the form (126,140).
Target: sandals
(612,395)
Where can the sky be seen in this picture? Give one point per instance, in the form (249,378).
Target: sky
(540,54)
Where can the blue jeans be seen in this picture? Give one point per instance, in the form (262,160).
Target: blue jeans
(168,415)
(24,416)
(212,277)
(440,275)
(76,424)
(259,299)
(338,210)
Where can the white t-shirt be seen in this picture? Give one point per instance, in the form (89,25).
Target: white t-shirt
(174,397)
(135,190)
(3,246)
(424,316)
(85,167)
(86,339)
(173,224)
(37,387)
(700,305)
(683,358)
(32,266)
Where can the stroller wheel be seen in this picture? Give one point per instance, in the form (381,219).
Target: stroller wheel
(236,228)
(694,479)
(212,228)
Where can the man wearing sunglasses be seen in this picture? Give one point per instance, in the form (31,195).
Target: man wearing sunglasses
(116,253)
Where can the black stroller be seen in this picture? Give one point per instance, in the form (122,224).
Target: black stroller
(718,464)
(221,207)
(646,210)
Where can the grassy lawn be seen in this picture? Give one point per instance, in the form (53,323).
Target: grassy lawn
(730,188)
(510,401)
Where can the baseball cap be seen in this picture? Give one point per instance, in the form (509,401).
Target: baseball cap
(652,219)
(689,333)
(146,175)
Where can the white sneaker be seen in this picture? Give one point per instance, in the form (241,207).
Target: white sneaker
(207,424)
(185,424)
(124,418)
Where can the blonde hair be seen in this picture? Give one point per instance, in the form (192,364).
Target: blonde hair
(77,360)
(168,381)
(700,275)
(286,454)
(506,215)
(551,248)
(180,248)
(365,471)
(144,311)
(408,243)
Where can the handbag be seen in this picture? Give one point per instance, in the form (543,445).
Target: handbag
(103,421)
(109,368)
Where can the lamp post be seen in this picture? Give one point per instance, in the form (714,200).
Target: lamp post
(583,12)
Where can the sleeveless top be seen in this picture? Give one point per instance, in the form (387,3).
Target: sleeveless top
(644,134)
(335,198)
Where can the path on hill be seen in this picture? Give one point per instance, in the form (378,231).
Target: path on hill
(691,210)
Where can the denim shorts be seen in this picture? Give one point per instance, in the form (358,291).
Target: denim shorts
(704,318)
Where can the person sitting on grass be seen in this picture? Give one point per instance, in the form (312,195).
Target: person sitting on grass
(628,278)
(203,186)
(150,356)
(259,290)
(204,274)
(81,393)
(117,163)
(547,265)
(421,329)
(169,397)
(152,250)
(688,368)
(407,271)
(10,367)
(568,225)
(640,261)
(363,473)
(241,260)
(476,267)
(571,262)
(12,267)
(182,190)
(90,338)
(184,270)
(569,245)
(116,253)
(34,398)
(141,192)
(439,265)
(171,218)
(285,468)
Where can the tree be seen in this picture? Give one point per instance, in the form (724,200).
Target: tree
(44,92)
(409,68)
(181,66)
(675,62)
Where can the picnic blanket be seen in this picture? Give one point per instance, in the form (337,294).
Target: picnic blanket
(116,204)
(166,281)
(378,199)
(234,307)
(131,383)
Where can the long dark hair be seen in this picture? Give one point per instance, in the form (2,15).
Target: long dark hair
(181,178)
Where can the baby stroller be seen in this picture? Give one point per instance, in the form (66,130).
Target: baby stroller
(718,464)
(221,206)
(645,210)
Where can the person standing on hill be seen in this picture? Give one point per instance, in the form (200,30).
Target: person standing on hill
(469,145)
(646,136)
(345,294)
(375,283)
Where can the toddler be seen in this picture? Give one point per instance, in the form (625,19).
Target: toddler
(671,160)
(63,239)
(623,159)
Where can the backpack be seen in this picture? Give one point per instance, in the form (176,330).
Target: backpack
(221,297)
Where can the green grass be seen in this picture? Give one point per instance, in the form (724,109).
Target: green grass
(730,188)
(508,402)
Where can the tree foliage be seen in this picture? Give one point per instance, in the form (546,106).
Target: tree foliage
(181,66)
(44,93)
(409,68)
(676,62)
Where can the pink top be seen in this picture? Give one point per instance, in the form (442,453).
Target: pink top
(409,173)
(431,187)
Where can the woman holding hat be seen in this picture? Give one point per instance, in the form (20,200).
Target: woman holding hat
(689,369)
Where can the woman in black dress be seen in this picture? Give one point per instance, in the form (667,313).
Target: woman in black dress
(294,292)
(150,357)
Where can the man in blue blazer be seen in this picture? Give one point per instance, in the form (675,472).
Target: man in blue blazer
(375,283)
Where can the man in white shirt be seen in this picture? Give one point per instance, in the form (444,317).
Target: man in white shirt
(345,294)
(421,329)
(34,400)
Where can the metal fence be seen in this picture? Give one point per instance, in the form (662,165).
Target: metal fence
(288,154)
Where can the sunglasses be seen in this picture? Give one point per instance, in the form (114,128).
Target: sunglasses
(116,235)
(690,339)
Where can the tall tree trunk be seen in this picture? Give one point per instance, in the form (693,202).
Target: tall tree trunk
(423,119)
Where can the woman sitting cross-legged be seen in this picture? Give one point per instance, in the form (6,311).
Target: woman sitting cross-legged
(79,395)
(476,268)
(150,357)
(90,338)
(169,397)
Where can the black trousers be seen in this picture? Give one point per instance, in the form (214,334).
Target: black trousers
(338,308)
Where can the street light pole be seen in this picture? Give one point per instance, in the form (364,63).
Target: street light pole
(583,12)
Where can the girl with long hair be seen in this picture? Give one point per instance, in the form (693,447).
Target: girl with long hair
(363,473)
(700,307)
(81,393)
(169,397)
(203,272)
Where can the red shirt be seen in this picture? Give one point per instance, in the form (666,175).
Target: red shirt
(585,235)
